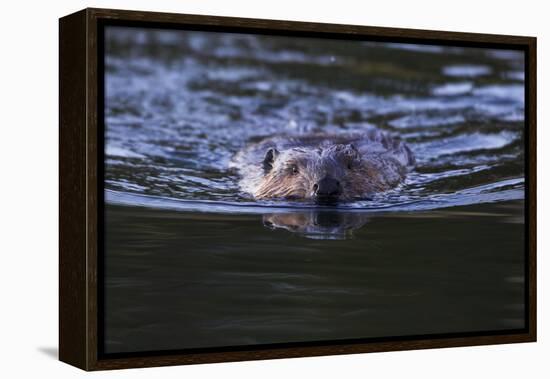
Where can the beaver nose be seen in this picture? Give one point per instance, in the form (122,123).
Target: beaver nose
(326,187)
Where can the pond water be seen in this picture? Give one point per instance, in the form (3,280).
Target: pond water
(191,261)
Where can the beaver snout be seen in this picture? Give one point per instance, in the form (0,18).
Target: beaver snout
(327,189)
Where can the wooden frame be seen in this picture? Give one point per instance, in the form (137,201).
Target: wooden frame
(80,196)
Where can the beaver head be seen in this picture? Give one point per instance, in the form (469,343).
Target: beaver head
(325,174)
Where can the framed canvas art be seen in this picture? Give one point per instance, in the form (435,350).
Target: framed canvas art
(238,189)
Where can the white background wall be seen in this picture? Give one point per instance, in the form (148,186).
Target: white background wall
(28,161)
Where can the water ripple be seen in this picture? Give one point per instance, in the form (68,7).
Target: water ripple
(180,104)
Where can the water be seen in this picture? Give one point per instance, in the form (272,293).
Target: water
(191,261)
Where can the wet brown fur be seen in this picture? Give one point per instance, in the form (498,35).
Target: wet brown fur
(363,164)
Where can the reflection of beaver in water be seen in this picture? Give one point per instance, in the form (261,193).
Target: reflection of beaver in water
(323,167)
(317,224)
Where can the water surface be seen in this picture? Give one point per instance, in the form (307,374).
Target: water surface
(191,261)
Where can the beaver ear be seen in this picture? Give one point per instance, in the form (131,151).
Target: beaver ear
(351,150)
(269,158)
(352,147)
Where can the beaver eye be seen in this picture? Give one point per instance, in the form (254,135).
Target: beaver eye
(294,169)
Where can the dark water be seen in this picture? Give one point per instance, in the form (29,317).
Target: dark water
(190,261)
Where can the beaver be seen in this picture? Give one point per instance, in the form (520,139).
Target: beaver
(325,168)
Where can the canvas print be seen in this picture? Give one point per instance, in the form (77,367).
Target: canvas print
(269,190)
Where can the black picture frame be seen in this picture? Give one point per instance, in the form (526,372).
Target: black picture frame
(81,199)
